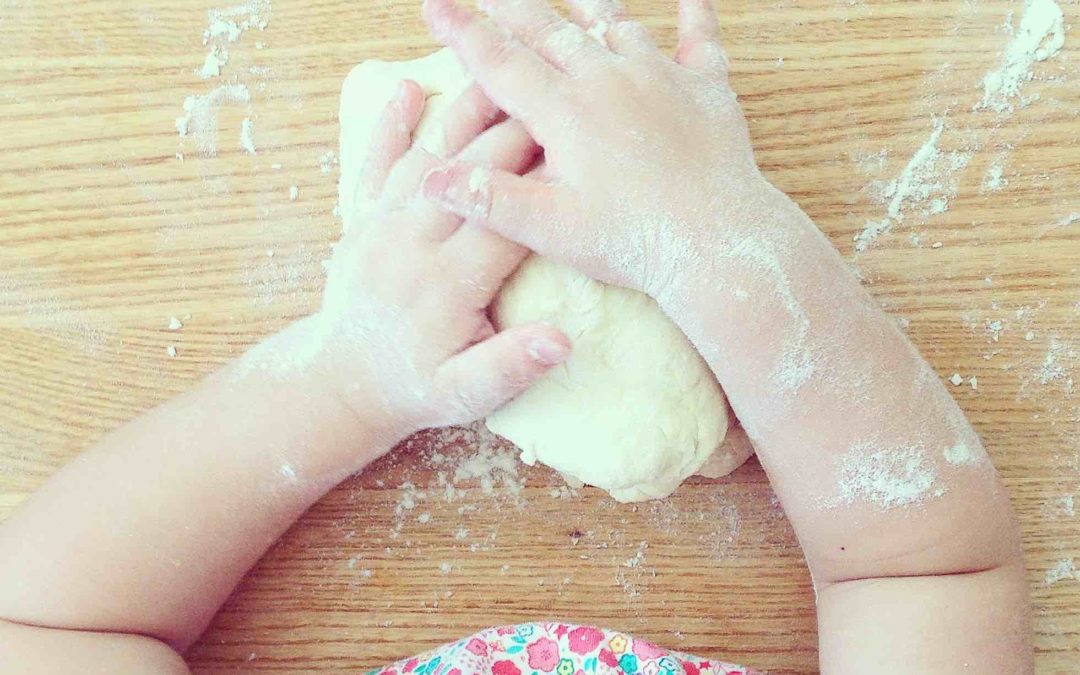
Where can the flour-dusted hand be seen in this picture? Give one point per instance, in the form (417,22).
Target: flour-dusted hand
(404,325)
(645,154)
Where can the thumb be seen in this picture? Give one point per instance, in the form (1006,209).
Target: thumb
(520,208)
(482,378)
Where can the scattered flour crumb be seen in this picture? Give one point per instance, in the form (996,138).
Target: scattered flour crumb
(1058,224)
(247,140)
(956,379)
(424,517)
(1029,336)
(1059,507)
(200,118)
(211,67)
(995,179)
(175,324)
(327,161)
(446,568)
(1064,569)
(1052,367)
(171,351)
(294,192)
(936,244)
(974,382)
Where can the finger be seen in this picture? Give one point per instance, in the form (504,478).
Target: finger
(468,116)
(588,12)
(520,208)
(479,380)
(607,22)
(485,259)
(391,139)
(506,146)
(565,45)
(517,79)
(699,38)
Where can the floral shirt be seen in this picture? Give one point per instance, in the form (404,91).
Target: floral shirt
(557,649)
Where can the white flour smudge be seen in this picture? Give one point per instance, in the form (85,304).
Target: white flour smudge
(1064,569)
(926,181)
(1040,36)
(200,118)
(887,478)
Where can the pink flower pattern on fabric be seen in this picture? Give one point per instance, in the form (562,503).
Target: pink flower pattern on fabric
(543,655)
(562,649)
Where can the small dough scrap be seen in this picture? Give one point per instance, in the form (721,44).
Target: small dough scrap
(635,410)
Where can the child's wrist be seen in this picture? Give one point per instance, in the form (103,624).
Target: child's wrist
(301,359)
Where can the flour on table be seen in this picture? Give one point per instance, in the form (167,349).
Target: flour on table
(200,120)
(1040,36)
(247,132)
(635,410)
(927,182)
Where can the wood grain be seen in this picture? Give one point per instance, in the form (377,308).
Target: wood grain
(105,234)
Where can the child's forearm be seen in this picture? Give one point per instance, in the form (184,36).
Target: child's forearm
(151,530)
(876,466)
(850,422)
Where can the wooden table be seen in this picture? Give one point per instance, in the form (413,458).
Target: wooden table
(105,234)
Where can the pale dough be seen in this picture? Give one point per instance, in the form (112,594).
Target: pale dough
(635,410)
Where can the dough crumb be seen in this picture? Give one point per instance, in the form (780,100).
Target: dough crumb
(956,379)
(294,192)
(171,351)
(174,323)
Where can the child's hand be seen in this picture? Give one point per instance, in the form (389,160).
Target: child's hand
(632,138)
(404,329)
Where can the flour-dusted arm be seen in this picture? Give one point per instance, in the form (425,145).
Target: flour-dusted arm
(126,554)
(653,185)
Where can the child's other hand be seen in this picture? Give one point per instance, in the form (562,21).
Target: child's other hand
(645,153)
(404,323)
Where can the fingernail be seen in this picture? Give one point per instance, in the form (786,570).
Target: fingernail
(548,352)
(437,183)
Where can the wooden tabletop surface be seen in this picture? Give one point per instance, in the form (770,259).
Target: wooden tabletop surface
(106,233)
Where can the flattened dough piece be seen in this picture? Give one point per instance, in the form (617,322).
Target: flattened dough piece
(635,410)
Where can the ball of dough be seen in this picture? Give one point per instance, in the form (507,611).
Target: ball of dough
(634,410)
